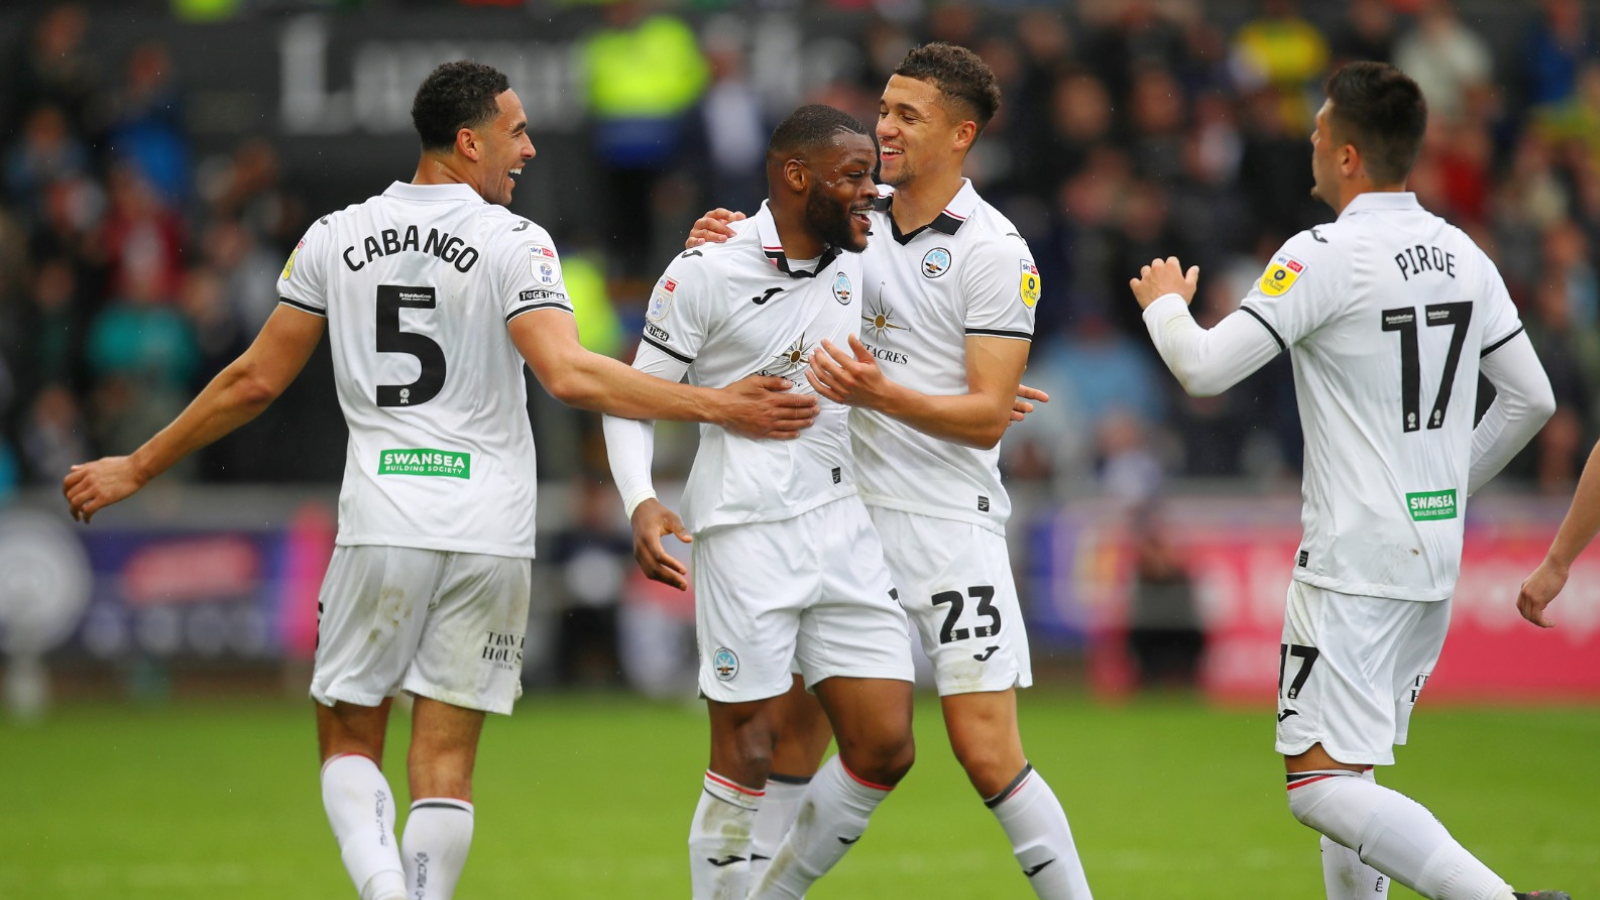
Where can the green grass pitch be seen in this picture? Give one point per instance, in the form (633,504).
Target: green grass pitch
(589,796)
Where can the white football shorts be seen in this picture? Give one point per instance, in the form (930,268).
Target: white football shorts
(812,590)
(447,626)
(1351,669)
(956,586)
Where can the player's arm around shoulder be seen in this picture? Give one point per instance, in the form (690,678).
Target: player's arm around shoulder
(755,407)
(1000,286)
(236,395)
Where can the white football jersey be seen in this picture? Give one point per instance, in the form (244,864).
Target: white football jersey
(735,309)
(967,273)
(1385,314)
(418,285)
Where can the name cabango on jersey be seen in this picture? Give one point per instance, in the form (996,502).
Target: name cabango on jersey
(390,241)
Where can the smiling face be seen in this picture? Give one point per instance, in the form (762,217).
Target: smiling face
(840,192)
(503,149)
(916,129)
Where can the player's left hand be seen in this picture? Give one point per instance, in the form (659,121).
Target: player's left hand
(651,522)
(93,486)
(1162,277)
(1023,404)
(851,378)
(1537,592)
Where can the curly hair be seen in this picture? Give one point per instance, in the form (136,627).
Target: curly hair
(960,75)
(454,96)
(810,127)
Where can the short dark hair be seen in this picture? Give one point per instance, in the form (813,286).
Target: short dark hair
(1380,110)
(454,96)
(809,128)
(960,74)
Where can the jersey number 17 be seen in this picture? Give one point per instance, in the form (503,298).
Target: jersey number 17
(1404,320)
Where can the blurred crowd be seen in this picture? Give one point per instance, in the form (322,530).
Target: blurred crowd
(132,267)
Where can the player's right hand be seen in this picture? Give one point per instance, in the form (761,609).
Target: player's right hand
(1537,592)
(713,227)
(93,486)
(764,406)
(1163,277)
(651,522)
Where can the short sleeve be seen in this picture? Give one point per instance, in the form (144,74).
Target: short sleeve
(530,270)
(1001,287)
(1290,298)
(303,282)
(674,321)
(1502,322)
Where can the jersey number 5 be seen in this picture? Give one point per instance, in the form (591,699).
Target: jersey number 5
(1404,320)
(391,299)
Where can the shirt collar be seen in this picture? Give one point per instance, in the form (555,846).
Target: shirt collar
(767,230)
(401,190)
(1372,201)
(948,221)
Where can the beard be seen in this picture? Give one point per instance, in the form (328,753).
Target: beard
(831,222)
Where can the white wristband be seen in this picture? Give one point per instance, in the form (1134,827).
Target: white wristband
(632,503)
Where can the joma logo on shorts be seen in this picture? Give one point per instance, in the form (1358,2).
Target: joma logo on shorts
(449,463)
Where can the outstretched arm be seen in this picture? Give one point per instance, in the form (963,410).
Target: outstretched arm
(755,407)
(235,396)
(1577,530)
(1205,361)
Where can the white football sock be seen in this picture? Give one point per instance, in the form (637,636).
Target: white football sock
(361,812)
(1392,833)
(777,812)
(1040,837)
(831,819)
(719,839)
(1344,875)
(434,846)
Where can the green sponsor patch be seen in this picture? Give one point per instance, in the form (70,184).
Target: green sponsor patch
(425,462)
(1429,505)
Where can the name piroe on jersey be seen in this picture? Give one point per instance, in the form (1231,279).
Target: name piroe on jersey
(418,285)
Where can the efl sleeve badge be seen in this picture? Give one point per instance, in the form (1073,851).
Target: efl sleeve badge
(1030,283)
(1281,275)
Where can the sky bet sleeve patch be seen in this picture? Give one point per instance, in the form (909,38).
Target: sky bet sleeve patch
(1281,275)
(1030,283)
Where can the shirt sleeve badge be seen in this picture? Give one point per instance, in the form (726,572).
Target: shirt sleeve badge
(1281,275)
(1030,283)
(288,267)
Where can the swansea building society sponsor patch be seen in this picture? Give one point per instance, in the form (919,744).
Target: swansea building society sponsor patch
(1429,505)
(449,463)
